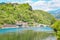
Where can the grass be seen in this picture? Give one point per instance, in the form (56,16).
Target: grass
(25,35)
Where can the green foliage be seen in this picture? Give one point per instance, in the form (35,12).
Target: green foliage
(56,26)
(23,12)
(43,17)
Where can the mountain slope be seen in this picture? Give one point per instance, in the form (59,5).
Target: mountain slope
(23,12)
(56,13)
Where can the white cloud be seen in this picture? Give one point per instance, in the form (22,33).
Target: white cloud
(22,1)
(46,5)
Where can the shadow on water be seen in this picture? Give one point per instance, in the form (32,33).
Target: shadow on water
(27,34)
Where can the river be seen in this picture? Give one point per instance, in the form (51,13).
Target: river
(48,30)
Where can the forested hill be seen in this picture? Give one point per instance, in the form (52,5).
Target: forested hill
(23,12)
(56,13)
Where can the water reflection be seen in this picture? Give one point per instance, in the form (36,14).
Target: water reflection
(27,33)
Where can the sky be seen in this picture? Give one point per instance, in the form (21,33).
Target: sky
(46,5)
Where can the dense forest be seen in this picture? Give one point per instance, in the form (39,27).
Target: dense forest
(23,12)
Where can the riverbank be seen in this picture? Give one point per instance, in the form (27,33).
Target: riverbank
(22,25)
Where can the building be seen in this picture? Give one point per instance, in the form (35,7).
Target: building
(22,24)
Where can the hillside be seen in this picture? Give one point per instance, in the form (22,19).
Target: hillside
(23,12)
(55,13)
(58,16)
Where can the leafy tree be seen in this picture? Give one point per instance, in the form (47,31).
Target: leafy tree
(56,27)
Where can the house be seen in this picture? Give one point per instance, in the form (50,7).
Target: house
(22,24)
(19,23)
(25,24)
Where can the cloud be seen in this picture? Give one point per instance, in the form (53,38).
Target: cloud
(20,1)
(46,5)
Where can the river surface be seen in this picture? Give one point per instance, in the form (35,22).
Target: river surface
(38,29)
(43,29)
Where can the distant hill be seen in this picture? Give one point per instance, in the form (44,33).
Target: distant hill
(56,13)
(23,12)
